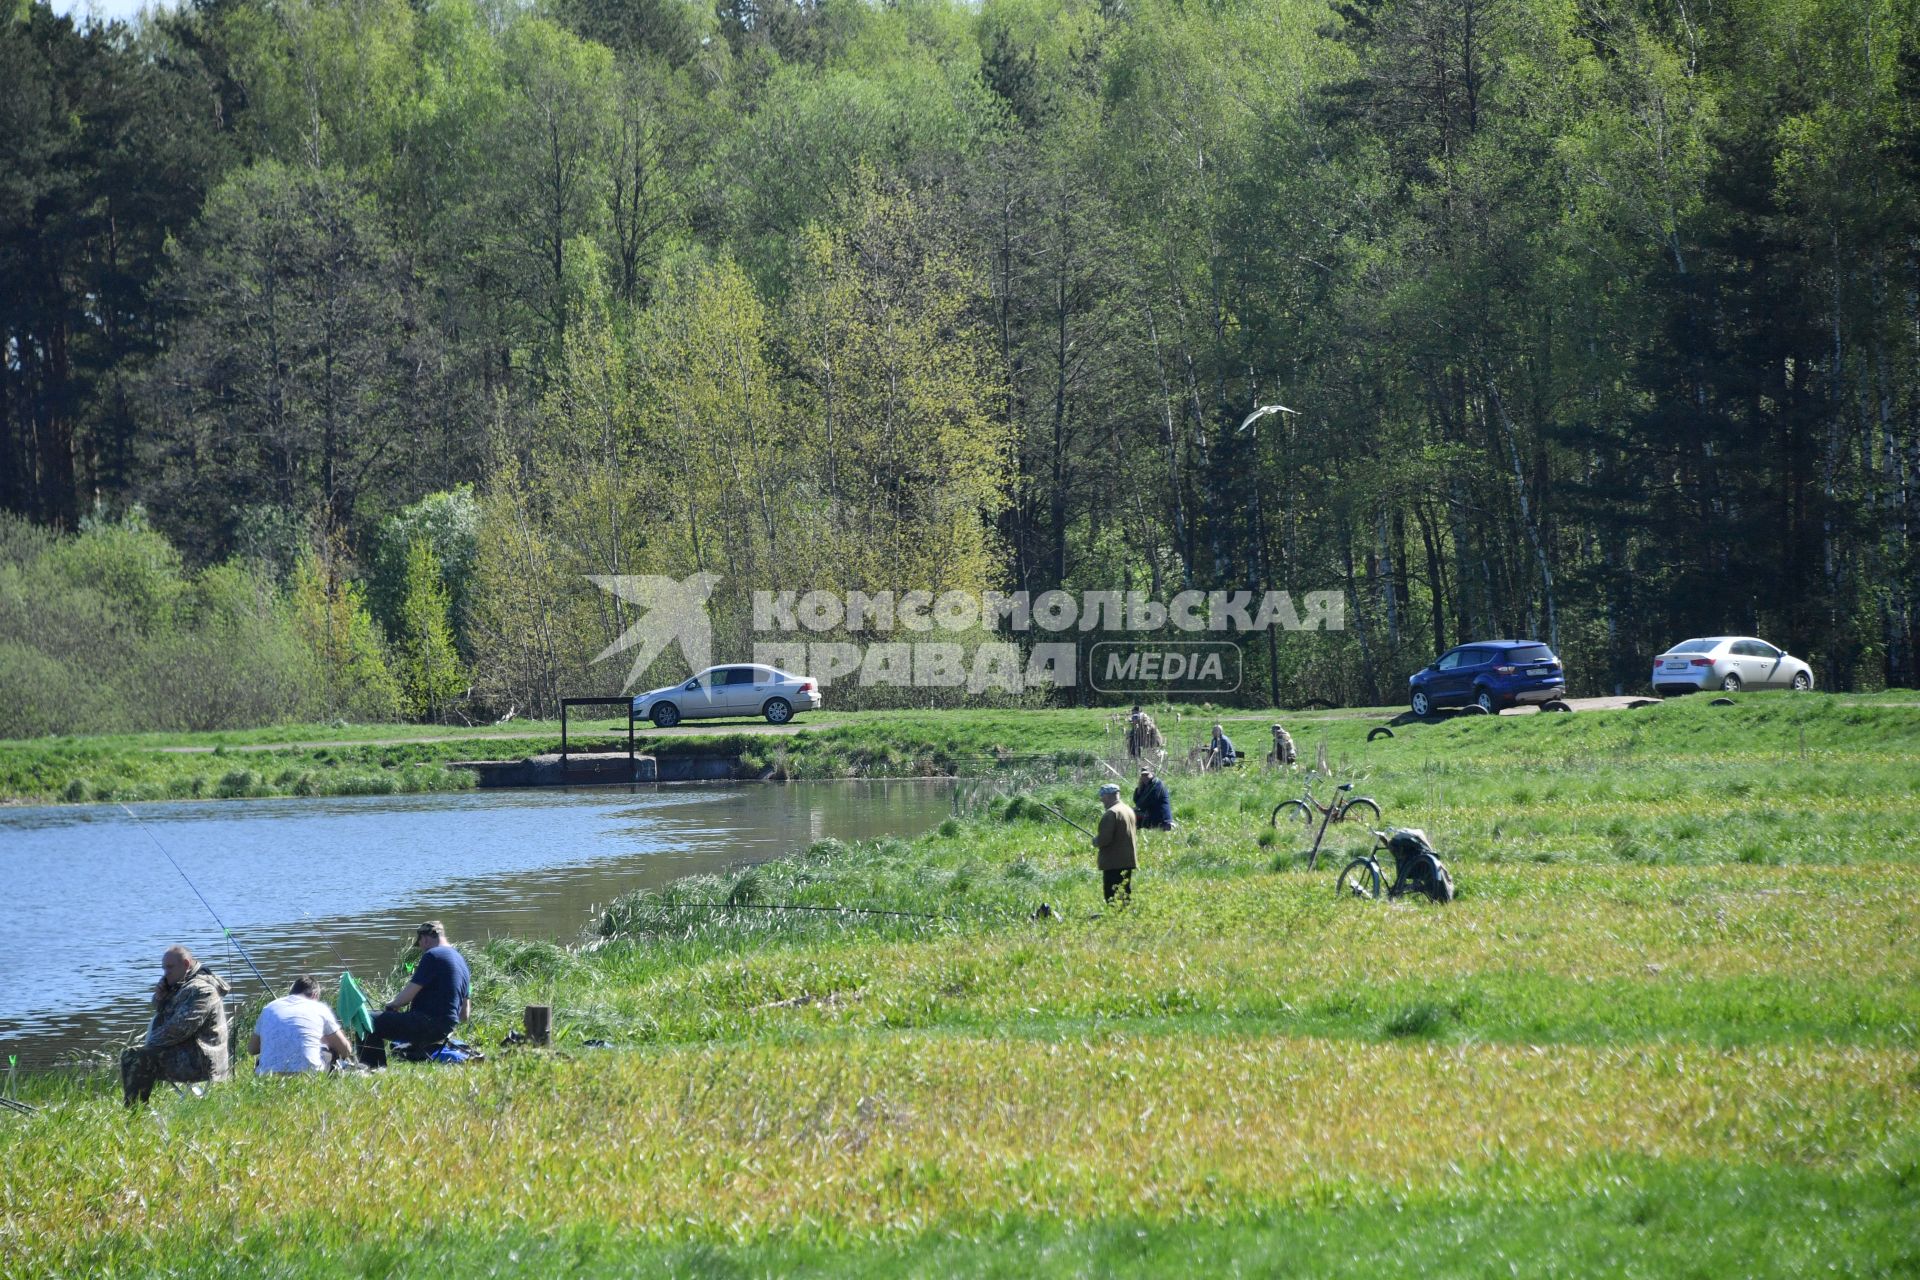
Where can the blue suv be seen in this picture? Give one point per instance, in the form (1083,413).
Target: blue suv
(1492,673)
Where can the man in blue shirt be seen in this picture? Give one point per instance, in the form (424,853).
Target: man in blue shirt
(1221,753)
(435,999)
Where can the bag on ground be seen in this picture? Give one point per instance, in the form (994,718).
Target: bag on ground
(1417,867)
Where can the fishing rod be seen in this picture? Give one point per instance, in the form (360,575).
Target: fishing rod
(264,984)
(1063,817)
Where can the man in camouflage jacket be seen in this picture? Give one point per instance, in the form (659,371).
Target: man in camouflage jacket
(187,1040)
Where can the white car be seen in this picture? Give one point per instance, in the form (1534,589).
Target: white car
(743,690)
(1728,663)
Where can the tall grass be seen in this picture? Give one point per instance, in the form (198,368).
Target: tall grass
(1669,1024)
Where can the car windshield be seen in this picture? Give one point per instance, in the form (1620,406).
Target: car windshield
(1696,646)
(1532,653)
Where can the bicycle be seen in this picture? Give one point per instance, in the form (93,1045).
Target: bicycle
(1415,870)
(1301,811)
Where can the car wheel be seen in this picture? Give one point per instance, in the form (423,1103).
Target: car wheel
(1802,682)
(1731,684)
(1421,706)
(1487,703)
(665,715)
(777,711)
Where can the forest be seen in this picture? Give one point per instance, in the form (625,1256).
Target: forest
(341,341)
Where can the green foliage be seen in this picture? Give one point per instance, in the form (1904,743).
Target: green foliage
(1593,317)
(329,615)
(428,667)
(104,631)
(450,524)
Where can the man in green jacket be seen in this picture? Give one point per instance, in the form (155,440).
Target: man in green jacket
(187,1039)
(1114,845)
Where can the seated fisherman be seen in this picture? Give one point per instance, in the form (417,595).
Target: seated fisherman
(1220,752)
(434,1001)
(1152,804)
(1284,752)
(296,1032)
(186,1042)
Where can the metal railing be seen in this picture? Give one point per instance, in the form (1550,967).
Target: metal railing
(567,704)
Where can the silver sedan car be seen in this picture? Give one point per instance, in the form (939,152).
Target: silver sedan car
(1728,663)
(740,690)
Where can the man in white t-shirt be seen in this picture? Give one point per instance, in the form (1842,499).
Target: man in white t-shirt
(293,1031)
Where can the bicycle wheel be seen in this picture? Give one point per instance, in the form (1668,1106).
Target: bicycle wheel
(1289,815)
(1359,879)
(1361,809)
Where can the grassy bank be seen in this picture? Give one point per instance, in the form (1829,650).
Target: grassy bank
(393,758)
(390,759)
(1669,1027)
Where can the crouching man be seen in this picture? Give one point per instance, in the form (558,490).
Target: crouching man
(297,1032)
(1152,803)
(187,1040)
(434,1001)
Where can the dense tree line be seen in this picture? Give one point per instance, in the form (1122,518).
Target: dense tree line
(1601,318)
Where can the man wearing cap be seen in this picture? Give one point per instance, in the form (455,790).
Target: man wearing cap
(1113,845)
(1152,805)
(434,1001)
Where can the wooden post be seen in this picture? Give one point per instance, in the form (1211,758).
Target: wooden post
(539,1022)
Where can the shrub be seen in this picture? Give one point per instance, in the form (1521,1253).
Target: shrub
(237,782)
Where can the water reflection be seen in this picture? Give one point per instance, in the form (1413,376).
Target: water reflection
(90,900)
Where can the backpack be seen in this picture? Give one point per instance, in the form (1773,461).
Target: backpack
(1416,867)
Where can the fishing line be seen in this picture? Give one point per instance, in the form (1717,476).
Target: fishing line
(264,984)
(308,917)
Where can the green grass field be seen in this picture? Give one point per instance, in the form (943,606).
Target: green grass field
(1668,1028)
(385,759)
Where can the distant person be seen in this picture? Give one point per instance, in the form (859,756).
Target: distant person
(297,1033)
(1220,752)
(1114,846)
(1143,735)
(1152,805)
(435,1000)
(1284,752)
(186,1042)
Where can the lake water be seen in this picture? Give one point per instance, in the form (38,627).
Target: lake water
(89,900)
